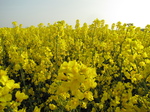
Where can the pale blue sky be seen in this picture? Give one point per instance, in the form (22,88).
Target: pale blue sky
(33,12)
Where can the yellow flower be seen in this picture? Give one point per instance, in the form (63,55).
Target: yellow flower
(65,95)
(5,90)
(4,79)
(20,96)
(93,110)
(118,109)
(88,95)
(36,109)
(16,85)
(5,98)
(30,91)
(142,63)
(79,94)
(10,84)
(52,106)
(2,73)
(117,100)
(84,105)
(74,102)
(147,61)
(144,55)
(15,23)
(68,107)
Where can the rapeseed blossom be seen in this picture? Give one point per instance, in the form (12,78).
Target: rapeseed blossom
(20,96)
(52,106)
(60,67)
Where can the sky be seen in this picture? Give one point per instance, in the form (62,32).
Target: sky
(33,12)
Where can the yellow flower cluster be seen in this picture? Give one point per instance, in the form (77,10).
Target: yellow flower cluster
(58,67)
(73,84)
(6,89)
